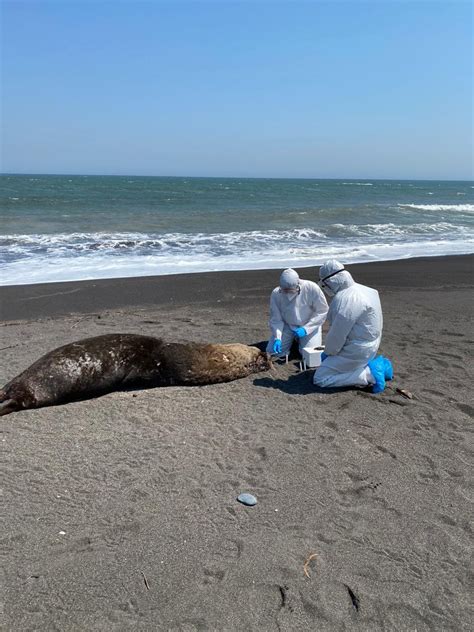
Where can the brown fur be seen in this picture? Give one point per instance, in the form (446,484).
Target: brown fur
(98,365)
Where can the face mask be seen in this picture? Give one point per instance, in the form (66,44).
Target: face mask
(327,290)
(290,293)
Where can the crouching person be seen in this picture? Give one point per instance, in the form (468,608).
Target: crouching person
(351,345)
(298,308)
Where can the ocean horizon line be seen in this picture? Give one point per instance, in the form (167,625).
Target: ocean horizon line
(202,177)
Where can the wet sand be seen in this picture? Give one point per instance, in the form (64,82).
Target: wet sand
(120,512)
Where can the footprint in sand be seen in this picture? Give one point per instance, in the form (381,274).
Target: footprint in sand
(466,409)
(213,576)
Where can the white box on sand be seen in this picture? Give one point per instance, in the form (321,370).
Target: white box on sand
(312,356)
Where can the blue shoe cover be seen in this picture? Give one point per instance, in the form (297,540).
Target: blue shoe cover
(377,368)
(388,369)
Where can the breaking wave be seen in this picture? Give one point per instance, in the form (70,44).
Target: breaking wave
(77,256)
(469,208)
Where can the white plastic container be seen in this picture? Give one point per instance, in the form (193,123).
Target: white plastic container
(311,357)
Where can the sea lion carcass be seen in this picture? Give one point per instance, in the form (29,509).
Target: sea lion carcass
(98,365)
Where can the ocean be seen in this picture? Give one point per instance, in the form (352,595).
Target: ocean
(64,228)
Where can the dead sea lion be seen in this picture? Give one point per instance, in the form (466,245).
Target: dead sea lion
(98,365)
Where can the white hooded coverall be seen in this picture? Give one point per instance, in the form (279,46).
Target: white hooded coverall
(355,319)
(308,308)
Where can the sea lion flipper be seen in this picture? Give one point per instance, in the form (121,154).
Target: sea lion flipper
(8,406)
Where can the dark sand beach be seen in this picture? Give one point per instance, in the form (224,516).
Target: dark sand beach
(120,512)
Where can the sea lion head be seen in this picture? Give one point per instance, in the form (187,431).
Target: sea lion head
(243,359)
(262,360)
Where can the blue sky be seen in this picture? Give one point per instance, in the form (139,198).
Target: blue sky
(260,88)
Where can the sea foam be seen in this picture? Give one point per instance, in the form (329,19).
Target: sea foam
(469,208)
(80,256)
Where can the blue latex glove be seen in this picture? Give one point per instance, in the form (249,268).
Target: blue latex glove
(277,346)
(324,356)
(300,332)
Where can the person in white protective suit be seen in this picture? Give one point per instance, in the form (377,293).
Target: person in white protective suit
(298,308)
(351,345)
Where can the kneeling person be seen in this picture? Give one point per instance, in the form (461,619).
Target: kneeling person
(352,342)
(298,308)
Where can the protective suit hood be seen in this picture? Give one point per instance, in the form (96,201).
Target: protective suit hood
(334,276)
(289,279)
